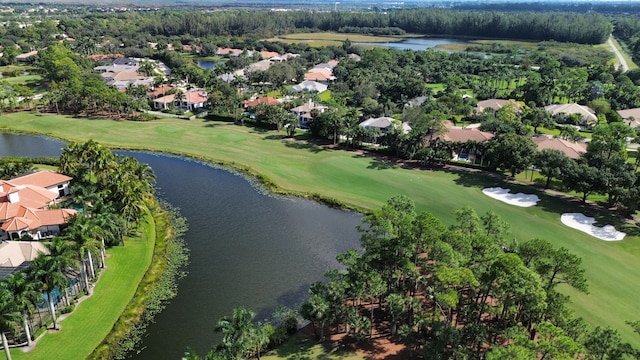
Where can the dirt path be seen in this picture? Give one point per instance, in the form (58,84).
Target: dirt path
(623,62)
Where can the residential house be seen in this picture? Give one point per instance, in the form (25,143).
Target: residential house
(587,115)
(323,76)
(495,105)
(250,104)
(384,124)
(455,134)
(18,255)
(631,117)
(24,205)
(123,79)
(309,86)
(27,57)
(190,101)
(573,150)
(322,73)
(355,57)
(262,65)
(160,91)
(303,113)
(268,54)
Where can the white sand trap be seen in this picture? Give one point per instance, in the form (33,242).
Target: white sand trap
(584,223)
(519,199)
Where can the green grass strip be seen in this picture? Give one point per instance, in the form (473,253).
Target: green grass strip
(94,318)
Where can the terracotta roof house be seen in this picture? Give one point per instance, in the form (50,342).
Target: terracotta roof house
(268,54)
(319,75)
(573,150)
(24,203)
(585,112)
(160,91)
(249,104)
(309,86)
(191,100)
(47,179)
(303,112)
(631,117)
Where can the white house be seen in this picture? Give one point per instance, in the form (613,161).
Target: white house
(384,124)
(310,86)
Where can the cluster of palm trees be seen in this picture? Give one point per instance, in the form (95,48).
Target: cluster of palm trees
(107,216)
(48,274)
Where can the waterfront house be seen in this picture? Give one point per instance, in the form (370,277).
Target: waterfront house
(25,202)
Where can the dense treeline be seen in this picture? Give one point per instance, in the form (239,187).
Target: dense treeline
(627,29)
(570,27)
(457,292)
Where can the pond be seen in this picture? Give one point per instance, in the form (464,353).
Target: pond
(416,44)
(208,65)
(247,248)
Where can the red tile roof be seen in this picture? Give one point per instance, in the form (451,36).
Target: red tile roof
(268,54)
(160,90)
(196,96)
(44,179)
(263,100)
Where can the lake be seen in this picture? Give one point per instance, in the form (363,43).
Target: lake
(247,248)
(416,44)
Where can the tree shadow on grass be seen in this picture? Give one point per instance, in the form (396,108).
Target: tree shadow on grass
(378,164)
(305,146)
(214,125)
(275,137)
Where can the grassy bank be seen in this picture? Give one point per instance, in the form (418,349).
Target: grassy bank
(92,321)
(365,183)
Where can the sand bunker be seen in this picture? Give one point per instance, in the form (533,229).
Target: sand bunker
(584,223)
(519,199)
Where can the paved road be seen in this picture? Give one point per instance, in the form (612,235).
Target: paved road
(623,62)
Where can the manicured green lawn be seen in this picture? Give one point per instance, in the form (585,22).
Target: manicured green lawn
(612,268)
(300,347)
(85,328)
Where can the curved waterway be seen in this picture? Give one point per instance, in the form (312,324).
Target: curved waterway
(246,248)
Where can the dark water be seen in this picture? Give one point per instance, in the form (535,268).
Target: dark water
(247,248)
(208,65)
(416,44)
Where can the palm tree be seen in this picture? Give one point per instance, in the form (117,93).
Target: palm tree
(82,235)
(9,315)
(46,271)
(24,294)
(236,332)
